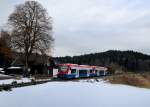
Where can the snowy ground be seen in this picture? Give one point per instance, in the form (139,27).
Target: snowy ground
(76,94)
(9,81)
(2,76)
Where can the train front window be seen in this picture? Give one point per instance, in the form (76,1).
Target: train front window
(73,71)
(91,71)
(63,68)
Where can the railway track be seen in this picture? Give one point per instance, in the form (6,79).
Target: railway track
(8,87)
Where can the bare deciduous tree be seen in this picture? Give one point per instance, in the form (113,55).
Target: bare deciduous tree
(31,29)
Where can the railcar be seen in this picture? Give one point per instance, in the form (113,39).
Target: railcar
(69,71)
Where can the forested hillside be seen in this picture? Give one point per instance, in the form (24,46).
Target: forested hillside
(124,60)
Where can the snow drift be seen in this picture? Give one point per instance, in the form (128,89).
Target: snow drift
(83,93)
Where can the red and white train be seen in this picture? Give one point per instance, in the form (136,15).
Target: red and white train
(69,71)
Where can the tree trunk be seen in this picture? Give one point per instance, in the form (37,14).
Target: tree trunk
(26,65)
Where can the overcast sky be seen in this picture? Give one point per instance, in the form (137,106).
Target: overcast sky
(89,26)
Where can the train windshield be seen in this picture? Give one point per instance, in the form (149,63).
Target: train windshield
(63,68)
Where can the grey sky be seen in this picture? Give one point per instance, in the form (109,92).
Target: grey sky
(88,26)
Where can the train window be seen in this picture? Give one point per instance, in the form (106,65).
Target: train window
(82,71)
(101,71)
(73,71)
(91,71)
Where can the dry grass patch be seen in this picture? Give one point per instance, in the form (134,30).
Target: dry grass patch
(139,80)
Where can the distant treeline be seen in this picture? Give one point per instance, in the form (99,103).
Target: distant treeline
(122,60)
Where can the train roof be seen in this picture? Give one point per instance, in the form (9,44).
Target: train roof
(101,68)
(83,66)
(68,64)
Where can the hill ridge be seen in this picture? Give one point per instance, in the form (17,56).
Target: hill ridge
(126,60)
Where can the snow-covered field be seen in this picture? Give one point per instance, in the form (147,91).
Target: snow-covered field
(9,81)
(76,94)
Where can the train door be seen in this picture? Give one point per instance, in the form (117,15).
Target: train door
(88,72)
(97,72)
(77,73)
(101,72)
